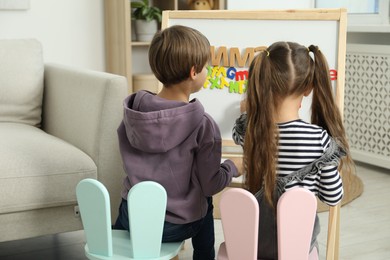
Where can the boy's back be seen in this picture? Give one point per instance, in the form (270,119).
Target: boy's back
(177,145)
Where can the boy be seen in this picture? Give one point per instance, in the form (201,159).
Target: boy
(170,139)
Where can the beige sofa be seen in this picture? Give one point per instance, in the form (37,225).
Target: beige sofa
(57,127)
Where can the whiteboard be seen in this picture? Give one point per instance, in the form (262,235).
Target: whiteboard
(246,29)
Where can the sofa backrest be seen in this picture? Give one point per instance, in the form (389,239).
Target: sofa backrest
(21,81)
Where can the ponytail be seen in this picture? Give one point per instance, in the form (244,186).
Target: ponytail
(260,149)
(325,112)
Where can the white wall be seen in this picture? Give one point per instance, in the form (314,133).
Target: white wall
(268,4)
(71,31)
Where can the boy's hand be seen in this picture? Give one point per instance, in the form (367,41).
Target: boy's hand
(239,164)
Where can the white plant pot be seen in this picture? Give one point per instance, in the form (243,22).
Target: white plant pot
(145,30)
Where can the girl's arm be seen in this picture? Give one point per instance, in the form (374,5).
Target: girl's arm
(330,189)
(331,186)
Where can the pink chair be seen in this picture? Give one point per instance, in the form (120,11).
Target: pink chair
(296,211)
(240,220)
(240,223)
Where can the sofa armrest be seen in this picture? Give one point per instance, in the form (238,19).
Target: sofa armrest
(84,108)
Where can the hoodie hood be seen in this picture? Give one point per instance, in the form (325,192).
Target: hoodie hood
(155,125)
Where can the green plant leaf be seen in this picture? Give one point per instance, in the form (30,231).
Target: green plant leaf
(137,5)
(142,11)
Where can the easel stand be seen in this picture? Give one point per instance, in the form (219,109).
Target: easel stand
(234,33)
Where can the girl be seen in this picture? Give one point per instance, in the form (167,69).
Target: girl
(306,155)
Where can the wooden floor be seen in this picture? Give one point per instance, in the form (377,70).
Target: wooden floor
(364,231)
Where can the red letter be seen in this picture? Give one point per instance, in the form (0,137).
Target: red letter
(333,74)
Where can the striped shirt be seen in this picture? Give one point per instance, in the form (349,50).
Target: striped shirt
(300,143)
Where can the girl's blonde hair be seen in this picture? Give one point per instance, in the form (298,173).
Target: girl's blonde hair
(285,69)
(175,50)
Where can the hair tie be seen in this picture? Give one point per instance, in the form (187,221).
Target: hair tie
(267,52)
(315,48)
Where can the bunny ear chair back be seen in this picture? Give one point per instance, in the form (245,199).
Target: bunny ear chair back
(147,204)
(240,216)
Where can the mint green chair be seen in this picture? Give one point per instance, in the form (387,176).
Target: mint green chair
(147,204)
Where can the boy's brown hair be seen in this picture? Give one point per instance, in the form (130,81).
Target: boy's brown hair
(175,50)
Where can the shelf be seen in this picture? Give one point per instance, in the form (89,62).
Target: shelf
(140,43)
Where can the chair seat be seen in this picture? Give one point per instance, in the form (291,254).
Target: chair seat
(222,253)
(122,249)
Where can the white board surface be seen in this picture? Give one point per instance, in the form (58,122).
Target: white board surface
(239,32)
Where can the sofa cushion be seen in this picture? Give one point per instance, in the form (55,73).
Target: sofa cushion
(21,81)
(38,170)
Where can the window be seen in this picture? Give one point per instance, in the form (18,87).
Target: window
(362,12)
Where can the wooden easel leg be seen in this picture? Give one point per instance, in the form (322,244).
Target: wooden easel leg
(332,249)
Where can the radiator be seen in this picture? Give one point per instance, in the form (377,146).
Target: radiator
(367,103)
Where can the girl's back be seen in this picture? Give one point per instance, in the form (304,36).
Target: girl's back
(300,143)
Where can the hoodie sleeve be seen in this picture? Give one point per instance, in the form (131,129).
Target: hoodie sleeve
(212,175)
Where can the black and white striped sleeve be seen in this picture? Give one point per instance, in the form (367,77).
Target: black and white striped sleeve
(330,189)
(239,129)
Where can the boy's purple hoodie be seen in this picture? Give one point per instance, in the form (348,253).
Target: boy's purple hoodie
(177,145)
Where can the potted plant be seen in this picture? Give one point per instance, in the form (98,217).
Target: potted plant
(146,19)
